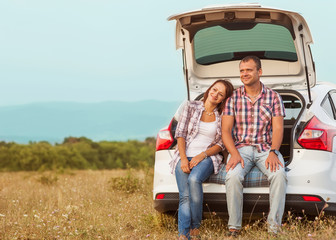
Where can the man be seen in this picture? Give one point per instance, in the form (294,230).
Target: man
(252,131)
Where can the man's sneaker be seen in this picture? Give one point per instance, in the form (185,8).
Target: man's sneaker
(232,233)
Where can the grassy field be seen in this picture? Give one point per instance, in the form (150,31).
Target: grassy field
(112,204)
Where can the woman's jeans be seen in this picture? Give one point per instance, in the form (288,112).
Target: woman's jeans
(234,188)
(191,194)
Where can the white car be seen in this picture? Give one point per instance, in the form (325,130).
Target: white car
(213,41)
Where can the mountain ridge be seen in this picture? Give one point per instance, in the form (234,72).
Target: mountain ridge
(110,120)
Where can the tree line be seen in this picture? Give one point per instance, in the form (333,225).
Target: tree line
(76,153)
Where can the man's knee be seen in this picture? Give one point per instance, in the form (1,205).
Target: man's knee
(279,176)
(233,177)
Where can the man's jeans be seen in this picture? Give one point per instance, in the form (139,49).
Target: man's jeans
(234,188)
(191,194)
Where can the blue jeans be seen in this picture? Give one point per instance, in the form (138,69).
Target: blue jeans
(234,188)
(191,194)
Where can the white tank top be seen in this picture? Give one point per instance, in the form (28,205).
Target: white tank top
(205,136)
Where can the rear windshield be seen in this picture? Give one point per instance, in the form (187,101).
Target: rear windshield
(267,41)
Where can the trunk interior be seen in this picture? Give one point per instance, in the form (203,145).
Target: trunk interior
(294,103)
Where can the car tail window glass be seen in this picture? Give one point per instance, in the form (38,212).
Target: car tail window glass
(326,105)
(293,107)
(226,43)
(333,102)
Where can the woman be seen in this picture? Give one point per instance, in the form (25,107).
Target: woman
(197,156)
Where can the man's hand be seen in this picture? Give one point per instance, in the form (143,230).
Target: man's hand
(185,165)
(234,160)
(273,162)
(196,160)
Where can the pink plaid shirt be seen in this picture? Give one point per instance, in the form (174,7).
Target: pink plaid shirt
(253,122)
(187,128)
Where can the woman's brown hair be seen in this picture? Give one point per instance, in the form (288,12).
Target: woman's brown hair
(228,92)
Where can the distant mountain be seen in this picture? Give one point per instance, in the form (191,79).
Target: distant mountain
(110,121)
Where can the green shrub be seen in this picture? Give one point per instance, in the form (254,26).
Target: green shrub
(127,184)
(77,153)
(47,179)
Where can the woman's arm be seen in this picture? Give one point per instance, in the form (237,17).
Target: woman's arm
(181,145)
(209,152)
(183,121)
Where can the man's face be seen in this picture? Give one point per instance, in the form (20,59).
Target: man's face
(249,75)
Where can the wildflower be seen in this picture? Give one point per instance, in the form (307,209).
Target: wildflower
(147,235)
(2,215)
(25,215)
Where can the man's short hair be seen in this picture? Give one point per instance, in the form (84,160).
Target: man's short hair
(255,59)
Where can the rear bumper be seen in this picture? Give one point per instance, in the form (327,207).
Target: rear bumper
(216,202)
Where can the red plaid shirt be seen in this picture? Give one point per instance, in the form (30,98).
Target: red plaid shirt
(253,122)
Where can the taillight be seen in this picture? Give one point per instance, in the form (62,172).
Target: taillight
(164,138)
(317,135)
(160,196)
(311,199)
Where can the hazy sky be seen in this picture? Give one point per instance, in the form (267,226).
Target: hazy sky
(101,50)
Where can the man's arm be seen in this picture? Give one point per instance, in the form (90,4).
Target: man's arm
(272,160)
(227,125)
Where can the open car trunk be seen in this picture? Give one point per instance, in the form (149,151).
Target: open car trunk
(214,40)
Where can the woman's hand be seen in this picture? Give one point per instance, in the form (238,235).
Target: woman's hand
(196,160)
(185,165)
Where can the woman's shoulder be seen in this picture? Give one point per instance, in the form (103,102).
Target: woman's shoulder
(195,104)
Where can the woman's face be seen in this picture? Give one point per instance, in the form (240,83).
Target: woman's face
(216,93)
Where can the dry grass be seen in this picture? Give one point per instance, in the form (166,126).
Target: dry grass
(111,205)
